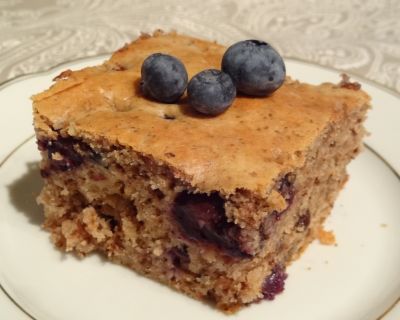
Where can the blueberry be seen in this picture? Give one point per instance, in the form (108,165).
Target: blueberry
(202,218)
(303,222)
(179,256)
(256,68)
(211,92)
(285,187)
(274,283)
(164,77)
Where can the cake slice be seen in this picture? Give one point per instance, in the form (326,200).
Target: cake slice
(215,207)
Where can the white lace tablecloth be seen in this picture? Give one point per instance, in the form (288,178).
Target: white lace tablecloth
(361,37)
(358,36)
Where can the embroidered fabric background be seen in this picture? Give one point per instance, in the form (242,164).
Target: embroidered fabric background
(358,36)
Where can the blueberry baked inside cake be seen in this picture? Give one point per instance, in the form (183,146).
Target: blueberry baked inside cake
(212,192)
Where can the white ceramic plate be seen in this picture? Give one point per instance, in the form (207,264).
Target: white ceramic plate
(357,280)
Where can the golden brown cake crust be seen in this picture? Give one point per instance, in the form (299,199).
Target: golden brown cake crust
(248,147)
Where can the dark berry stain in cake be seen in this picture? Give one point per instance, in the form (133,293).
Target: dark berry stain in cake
(285,187)
(277,214)
(274,283)
(42,144)
(87,150)
(65,147)
(66,154)
(201,217)
(45,173)
(303,222)
(179,257)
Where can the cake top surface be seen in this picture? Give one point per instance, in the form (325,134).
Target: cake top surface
(251,145)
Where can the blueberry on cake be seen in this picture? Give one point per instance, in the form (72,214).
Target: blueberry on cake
(212,191)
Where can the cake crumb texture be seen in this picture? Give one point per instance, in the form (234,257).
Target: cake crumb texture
(326,237)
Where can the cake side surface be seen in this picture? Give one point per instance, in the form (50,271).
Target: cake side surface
(213,207)
(121,204)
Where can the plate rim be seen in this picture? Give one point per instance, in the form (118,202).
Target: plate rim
(9,82)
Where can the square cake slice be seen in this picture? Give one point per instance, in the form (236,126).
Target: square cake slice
(215,207)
